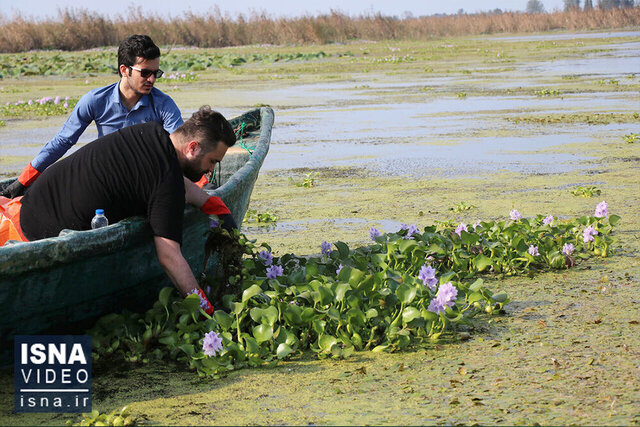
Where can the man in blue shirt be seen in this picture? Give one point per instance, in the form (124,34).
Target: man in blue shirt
(131,100)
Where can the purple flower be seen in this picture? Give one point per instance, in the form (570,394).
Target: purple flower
(428,276)
(435,306)
(476,225)
(214,223)
(515,215)
(30,102)
(533,250)
(588,233)
(211,344)
(548,220)
(66,104)
(57,100)
(266,257)
(461,227)
(413,229)
(446,297)
(602,210)
(374,232)
(339,269)
(568,249)
(325,248)
(274,271)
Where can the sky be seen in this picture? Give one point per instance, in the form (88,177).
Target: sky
(40,9)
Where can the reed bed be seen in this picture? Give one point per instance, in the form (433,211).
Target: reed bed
(76,29)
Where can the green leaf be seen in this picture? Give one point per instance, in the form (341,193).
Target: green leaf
(407,245)
(410,313)
(293,314)
(224,320)
(405,293)
(476,296)
(311,270)
(251,291)
(283,351)
(251,345)
(371,313)
(476,286)
(341,289)
(469,238)
(165,294)
(192,303)
(356,317)
(343,249)
(327,341)
(499,297)
(262,333)
(326,295)
(613,219)
(482,262)
(355,277)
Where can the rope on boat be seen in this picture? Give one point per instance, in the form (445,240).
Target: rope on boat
(214,177)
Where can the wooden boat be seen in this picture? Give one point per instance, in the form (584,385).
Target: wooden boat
(51,284)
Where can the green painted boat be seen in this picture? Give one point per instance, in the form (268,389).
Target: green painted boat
(57,284)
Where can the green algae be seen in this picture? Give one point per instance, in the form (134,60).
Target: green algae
(565,353)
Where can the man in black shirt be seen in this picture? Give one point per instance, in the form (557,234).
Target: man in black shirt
(137,170)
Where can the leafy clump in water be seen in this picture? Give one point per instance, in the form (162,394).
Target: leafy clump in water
(407,289)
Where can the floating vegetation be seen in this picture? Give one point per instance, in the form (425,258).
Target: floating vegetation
(407,289)
(586,118)
(307,182)
(122,417)
(461,207)
(266,217)
(630,138)
(103,62)
(46,106)
(461,95)
(609,82)
(547,92)
(586,191)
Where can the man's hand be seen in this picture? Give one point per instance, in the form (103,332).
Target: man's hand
(19,186)
(13,190)
(227,222)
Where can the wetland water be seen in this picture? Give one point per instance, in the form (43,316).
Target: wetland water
(397,146)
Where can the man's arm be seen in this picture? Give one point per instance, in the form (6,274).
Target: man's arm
(179,271)
(170,115)
(174,264)
(65,138)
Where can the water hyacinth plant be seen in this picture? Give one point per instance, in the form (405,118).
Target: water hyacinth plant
(391,295)
(45,106)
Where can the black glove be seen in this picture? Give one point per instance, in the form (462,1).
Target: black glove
(227,222)
(13,190)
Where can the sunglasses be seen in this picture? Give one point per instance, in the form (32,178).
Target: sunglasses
(146,73)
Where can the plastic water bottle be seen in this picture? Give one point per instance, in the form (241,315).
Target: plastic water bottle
(99,220)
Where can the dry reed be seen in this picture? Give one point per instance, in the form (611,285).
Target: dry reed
(76,29)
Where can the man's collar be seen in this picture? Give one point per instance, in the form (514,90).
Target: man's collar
(115,97)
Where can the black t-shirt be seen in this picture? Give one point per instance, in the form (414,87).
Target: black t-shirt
(133,171)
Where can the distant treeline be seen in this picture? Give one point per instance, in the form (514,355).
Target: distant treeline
(76,29)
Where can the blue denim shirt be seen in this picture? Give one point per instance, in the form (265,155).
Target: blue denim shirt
(103,106)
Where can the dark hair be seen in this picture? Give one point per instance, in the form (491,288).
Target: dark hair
(209,127)
(136,46)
